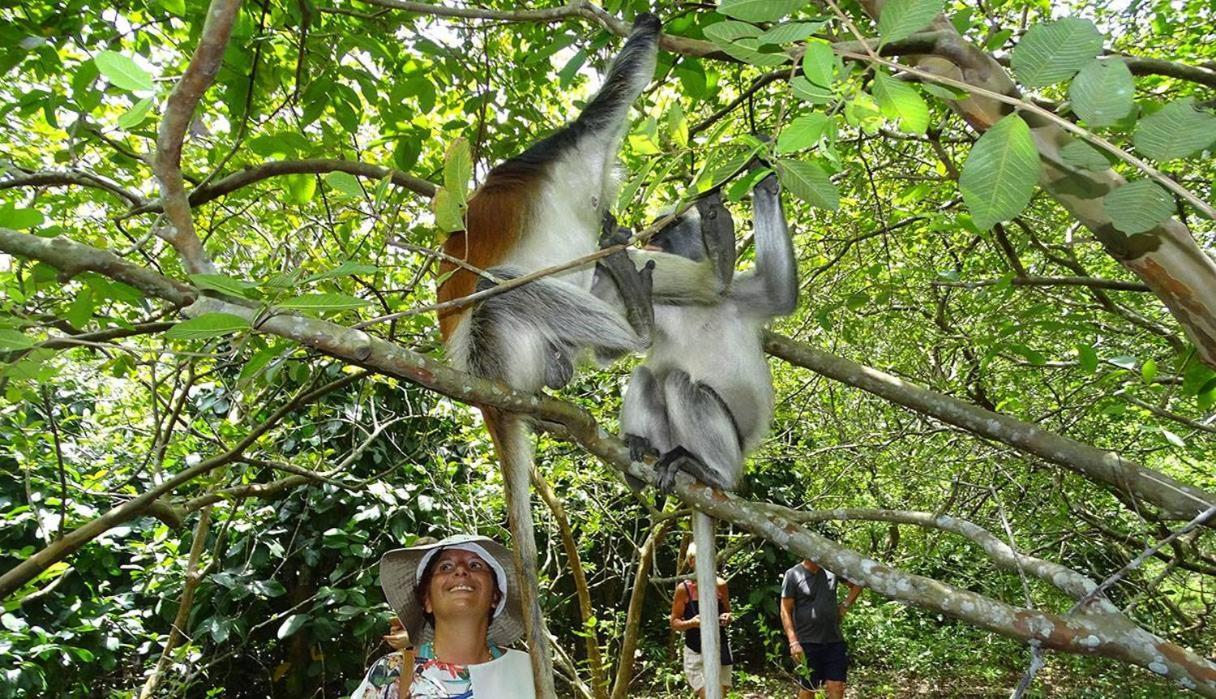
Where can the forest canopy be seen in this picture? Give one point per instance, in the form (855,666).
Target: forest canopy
(224,394)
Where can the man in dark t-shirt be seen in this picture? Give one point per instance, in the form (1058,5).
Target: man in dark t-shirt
(810,615)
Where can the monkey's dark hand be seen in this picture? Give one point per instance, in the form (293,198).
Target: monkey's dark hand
(559,369)
(612,234)
(665,470)
(639,447)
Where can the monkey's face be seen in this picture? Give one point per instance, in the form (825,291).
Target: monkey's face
(681,237)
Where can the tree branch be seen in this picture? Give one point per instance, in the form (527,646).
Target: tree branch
(66,178)
(179,111)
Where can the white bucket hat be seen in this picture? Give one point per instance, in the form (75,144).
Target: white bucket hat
(401,570)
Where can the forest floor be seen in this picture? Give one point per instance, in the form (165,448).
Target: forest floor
(869,684)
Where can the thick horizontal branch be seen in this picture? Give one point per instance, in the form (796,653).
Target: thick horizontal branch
(1128,478)
(312,166)
(1100,634)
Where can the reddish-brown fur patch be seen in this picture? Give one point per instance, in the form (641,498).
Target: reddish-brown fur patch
(496,217)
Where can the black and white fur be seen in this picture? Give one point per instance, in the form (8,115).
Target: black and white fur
(703,398)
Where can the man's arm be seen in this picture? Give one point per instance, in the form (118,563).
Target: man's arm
(854,592)
(724,615)
(787,623)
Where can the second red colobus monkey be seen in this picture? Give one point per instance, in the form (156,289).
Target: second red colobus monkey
(541,208)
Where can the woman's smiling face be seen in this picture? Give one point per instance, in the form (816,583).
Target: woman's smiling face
(462,584)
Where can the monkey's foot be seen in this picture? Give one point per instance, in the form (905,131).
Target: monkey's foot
(559,369)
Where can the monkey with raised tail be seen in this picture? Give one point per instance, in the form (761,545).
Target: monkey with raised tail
(542,208)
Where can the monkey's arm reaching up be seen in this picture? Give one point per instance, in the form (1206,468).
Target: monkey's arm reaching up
(771,289)
(697,261)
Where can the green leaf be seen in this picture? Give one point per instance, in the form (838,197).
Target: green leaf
(1173,438)
(803,132)
(819,63)
(1054,51)
(449,213)
(903,18)
(1148,370)
(14,340)
(1176,131)
(292,624)
(458,170)
(789,33)
(206,326)
(1102,92)
(1087,358)
(19,219)
(809,92)
(224,285)
(1138,207)
(809,182)
(759,10)
(946,92)
(1001,172)
(723,33)
(300,189)
(321,303)
(123,72)
(81,310)
(899,100)
(1124,361)
(345,183)
(136,115)
(748,51)
(1081,155)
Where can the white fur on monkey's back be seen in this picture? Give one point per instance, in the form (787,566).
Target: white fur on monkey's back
(564,185)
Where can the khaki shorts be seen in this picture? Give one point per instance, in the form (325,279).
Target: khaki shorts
(695,674)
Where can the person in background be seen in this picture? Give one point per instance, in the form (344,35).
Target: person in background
(686,617)
(810,615)
(459,600)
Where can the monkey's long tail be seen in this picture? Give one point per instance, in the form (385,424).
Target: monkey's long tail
(513,443)
(707,603)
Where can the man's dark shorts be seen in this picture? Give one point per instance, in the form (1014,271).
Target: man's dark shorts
(824,661)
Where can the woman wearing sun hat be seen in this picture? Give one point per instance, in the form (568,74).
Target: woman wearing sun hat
(458,600)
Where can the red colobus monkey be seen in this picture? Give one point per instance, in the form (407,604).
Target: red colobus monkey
(541,208)
(703,398)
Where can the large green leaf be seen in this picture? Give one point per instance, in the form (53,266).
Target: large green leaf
(748,51)
(1054,51)
(1138,206)
(789,33)
(223,284)
(806,90)
(322,303)
(723,33)
(458,170)
(903,18)
(803,132)
(899,100)
(14,340)
(123,72)
(136,114)
(1102,93)
(1001,172)
(19,219)
(345,183)
(292,624)
(809,182)
(759,10)
(206,326)
(819,63)
(449,213)
(1176,131)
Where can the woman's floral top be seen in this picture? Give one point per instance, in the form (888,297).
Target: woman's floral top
(432,678)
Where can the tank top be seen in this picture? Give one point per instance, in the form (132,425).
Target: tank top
(692,637)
